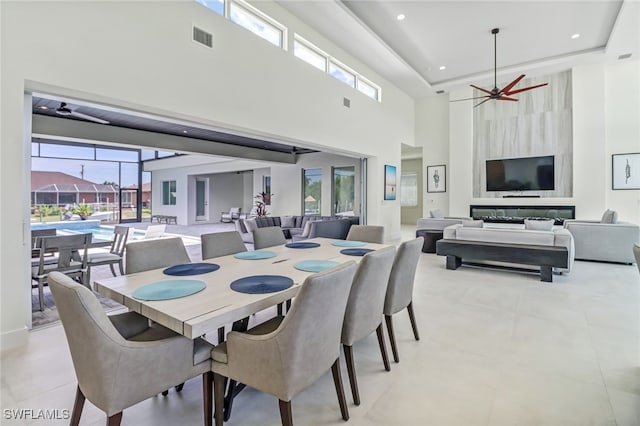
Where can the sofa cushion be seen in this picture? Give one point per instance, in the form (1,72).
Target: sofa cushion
(307,228)
(250,225)
(507,236)
(288,221)
(538,225)
(609,216)
(436,213)
(473,223)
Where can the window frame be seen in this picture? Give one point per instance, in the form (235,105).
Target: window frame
(261,16)
(298,39)
(304,187)
(169,197)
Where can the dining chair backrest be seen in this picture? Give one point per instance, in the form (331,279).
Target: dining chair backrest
(306,343)
(155,231)
(337,229)
(366,300)
(71,252)
(154,254)
(636,253)
(221,244)
(268,237)
(367,233)
(120,236)
(403,274)
(47,232)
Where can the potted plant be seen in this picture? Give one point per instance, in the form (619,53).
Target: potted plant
(261,203)
(82,210)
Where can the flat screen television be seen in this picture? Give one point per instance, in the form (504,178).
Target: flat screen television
(521,174)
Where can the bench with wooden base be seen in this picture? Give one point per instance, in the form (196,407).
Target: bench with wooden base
(546,257)
(161,218)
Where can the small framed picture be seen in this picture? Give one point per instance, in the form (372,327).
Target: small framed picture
(390,186)
(625,171)
(437,178)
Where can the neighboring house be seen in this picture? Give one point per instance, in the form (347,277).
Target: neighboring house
(57,188)
(129,198)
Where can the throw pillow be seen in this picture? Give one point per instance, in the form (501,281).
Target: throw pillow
(607,216)
(614,216)
(436,213)
(538,225)
(251,225)
(307,228)
(473,223)
(287,221)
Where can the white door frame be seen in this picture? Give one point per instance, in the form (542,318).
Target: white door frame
(204,217)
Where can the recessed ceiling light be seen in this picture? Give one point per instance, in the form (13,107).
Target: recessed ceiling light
(43,107)
(401,17)
(442,68)
(185,131)
(575,36)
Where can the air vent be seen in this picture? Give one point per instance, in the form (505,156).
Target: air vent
(346,102)
(625,56)
(202,37)
(439,92)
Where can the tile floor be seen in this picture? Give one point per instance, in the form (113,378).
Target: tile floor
(496,348)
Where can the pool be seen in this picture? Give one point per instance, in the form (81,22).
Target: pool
(100,233)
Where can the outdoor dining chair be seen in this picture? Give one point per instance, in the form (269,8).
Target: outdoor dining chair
(115,255)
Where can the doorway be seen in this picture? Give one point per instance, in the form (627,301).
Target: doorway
(202,199)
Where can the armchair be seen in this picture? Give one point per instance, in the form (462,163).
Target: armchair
(609,242)
(231,215)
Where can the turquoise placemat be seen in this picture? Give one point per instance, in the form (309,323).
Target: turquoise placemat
(315,265)
(169,289)
(345,243)
(255,255)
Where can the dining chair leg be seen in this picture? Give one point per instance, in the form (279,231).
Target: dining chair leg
(121,267)
(392,337)
(41,294)
(113,269)
(218,398)
(285,413)
(207,397)
(348,356)
(115,419)
(179,387)
(337,381)
(383,347)
(228,401)
(77,408)
(412,318)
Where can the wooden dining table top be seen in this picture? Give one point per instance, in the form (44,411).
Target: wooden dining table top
(218,305)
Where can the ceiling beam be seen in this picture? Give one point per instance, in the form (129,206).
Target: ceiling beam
(80,131)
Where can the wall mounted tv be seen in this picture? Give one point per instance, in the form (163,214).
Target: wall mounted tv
(521,174)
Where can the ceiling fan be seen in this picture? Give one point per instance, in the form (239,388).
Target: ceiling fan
(505,93)
(65,111)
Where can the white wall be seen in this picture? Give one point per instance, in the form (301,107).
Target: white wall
(139,55)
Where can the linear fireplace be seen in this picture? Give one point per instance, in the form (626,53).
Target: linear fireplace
(517,214)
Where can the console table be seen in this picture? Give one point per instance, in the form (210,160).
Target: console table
(517,214)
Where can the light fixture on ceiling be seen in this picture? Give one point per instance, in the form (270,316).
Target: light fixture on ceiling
(400,17)
(442,68)
(185,131)
(66,111)
(495,93)
(43,107)
(575,36)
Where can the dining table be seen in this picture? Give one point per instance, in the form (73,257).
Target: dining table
(217,304)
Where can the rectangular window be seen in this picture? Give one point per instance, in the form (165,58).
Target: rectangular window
(311,191)
(216,5)
(341,73)
(169,193)
(258,23)
(368,88)
(344,179)
(266,188)
(409,189)
(304,50)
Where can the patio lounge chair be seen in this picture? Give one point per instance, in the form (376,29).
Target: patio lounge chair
(233,214)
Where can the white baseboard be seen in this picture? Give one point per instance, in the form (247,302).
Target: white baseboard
(13,339)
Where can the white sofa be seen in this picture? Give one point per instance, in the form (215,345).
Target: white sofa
(557,237)
(439,223)
(609,242)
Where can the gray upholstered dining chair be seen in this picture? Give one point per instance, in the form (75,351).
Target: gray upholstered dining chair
(154,254)
(115,255)
(221,244)
(285,355)
(121,360)
(364,309)
(368,233)
(400,288)
(70,259)
(636,253)
(268,237)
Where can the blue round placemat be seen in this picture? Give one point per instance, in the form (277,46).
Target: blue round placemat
(255,255)
(355,251)
(315,265)
(302,245)
(260,284)
(169,289)
(191,269)
(347,243)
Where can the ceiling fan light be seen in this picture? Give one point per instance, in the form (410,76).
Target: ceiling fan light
(442,68)
(401,17)
(575,36)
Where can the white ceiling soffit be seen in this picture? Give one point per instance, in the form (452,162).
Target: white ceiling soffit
(534,39)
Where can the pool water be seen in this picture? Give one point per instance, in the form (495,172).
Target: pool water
(103,233)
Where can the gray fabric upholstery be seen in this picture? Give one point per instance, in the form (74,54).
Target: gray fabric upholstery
(368,233)
(438,224)
(437,213)
(538,225)
(113,372)
(609,216)
(403,274)
(337,229)
(608,242)
(154,254)
(246,236)
(301,349)
(366,300)
(268,237)
(636,254)
(221,244)
(473,223)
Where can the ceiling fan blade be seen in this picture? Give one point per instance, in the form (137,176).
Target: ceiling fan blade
(489,92)
(506,98)
(513,92)
(510,85)
(89,117)
(468,99)
(477,105)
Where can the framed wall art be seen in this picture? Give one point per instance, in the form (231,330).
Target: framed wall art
(437,178)
(390,182)
(625,171)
